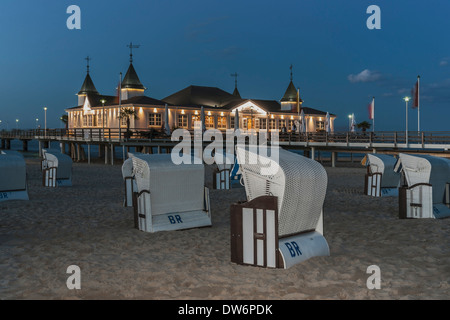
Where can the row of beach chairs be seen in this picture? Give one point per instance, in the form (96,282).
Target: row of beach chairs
(421,183)
(279,225)
(56,171)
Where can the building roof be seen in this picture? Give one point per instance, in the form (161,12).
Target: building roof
(291,94)
(88,86)
(131,79)
(236,93)
(95,100)
(201,96)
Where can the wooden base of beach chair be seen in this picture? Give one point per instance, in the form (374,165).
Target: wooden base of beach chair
(372,186)
(221,179)
(145,221)
(14,195)
(416,201)
(49,177)
(255,240)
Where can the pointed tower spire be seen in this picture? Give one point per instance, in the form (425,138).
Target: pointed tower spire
(289,100)
(131,85)
(236,91)
(88,86)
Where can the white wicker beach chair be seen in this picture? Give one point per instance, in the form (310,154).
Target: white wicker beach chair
(425,189)
(13,176)
(381,179)
(44,164)
(57,169)
(281,224)
(170,196)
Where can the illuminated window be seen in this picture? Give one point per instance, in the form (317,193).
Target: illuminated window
(84,121)
(196,118)
(272,124)
(263,124)
(99,120)
(232,122)
(291,124)
(182,121)
(320,125)
(221,122)
(209,122)
(282,124)
(154,119)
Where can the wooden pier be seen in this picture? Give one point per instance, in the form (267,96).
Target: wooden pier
(145,140)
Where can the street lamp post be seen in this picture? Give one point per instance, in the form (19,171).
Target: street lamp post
(37,123)
(406,130)
(17,124)
(349,122)
(103,118)
(45,121)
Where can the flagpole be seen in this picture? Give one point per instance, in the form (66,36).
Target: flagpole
(373,114)
(418,104)
(120,105)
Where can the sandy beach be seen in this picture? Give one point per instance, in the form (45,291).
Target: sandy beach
(86,225)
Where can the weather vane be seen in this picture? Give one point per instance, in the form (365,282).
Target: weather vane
(131,46)
(235,75)
(87,65)
(291,71)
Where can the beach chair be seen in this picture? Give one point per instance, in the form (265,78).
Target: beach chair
(281,223)
(57,169)
(222,173)
(13,176)
(44,164)
(381,179)
(170,196)
(424,192)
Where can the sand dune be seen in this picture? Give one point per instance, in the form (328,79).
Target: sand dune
(86,225)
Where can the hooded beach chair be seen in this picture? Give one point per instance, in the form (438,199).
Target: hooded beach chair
(381,179)
(281,222)
(13,176)
(170,196)
(222,173)
(425,186)
(44,160)
(57,169)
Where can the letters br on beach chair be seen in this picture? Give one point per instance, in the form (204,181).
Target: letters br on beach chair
(381,179)
(169,196)
(57,169)
(281,223)
(13,176)
(424,192)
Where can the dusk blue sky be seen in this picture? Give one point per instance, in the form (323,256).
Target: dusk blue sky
(201,42)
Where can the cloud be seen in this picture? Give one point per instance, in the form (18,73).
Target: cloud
(364,76)
(444,62)
(225,53)
(203,30)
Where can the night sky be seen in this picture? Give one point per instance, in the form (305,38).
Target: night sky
(338,63)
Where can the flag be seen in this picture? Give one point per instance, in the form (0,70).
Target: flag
(371,108)
(415,94)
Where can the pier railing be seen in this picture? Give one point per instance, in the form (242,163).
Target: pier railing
(391,139)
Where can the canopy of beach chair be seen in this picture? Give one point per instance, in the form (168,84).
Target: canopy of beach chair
(299,183)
